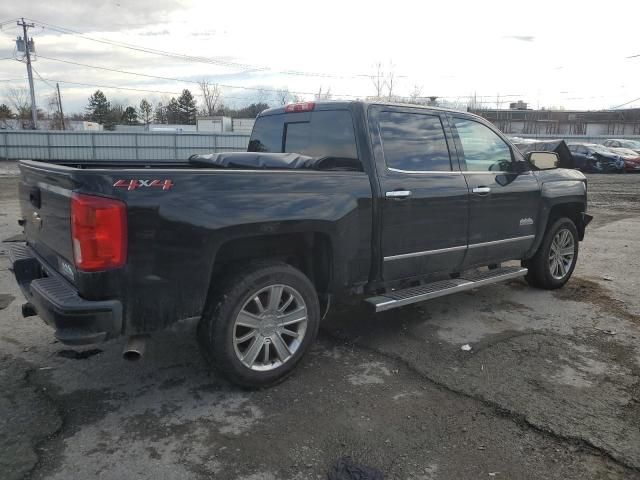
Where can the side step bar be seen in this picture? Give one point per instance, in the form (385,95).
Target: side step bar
(400,298)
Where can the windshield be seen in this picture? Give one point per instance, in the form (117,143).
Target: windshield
(601,149)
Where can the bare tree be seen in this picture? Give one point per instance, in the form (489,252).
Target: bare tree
(389,79)
(414,96)
(283,96)
(383,80)
(21,102)
(324,95)
(53,110)
(262,96)
(211,94)
(377,78)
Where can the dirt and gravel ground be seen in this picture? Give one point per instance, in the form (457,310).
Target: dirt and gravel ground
(550,389)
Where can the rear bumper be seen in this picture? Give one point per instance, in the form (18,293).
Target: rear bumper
(77,321)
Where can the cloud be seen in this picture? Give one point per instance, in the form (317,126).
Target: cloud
(521,38)
(106,15)
(155,33)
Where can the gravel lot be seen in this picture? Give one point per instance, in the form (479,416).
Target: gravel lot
(550,389)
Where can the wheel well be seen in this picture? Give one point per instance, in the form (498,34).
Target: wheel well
(572,211)
(308,252)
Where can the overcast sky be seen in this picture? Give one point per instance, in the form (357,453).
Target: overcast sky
(547,53)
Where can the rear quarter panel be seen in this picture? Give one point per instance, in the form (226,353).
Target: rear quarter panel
(175,234)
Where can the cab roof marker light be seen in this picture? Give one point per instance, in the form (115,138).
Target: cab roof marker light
(300,107)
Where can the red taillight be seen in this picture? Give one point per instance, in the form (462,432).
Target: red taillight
(99,232)
(300,107)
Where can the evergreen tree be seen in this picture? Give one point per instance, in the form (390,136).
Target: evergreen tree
(130,116)
(187,108)
(146,111)
(173,111)
(160,114)
(98,108)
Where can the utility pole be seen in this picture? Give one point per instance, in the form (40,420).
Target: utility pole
(60,105)
(34,110)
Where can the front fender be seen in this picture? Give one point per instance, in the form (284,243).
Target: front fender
(564,190)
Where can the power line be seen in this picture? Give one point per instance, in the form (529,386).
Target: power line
(154,51)
(207,60)
(625,103)
(210,60)
(2,24)
(115,87)
(42,79)
(258,89)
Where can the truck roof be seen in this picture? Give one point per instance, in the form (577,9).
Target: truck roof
(332,104)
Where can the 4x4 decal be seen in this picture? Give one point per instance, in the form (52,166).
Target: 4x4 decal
(133,184)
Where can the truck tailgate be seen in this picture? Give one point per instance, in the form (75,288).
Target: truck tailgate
(45,204)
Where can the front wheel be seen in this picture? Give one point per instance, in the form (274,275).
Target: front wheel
(554,262)
(260,323)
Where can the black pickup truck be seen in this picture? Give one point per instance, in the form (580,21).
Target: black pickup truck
(395,203)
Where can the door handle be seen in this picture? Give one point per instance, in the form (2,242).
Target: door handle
(398,194)
(481,190)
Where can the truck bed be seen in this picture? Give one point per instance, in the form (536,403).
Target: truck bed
(180,218)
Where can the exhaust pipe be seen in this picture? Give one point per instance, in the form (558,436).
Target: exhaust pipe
(134,349)
(28,310)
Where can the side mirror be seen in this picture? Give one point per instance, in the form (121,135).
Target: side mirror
(543,160)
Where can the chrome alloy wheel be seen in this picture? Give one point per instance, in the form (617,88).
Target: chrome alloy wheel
(270,327)
(561,254)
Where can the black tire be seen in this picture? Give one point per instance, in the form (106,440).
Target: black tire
(217,329)
(540,271)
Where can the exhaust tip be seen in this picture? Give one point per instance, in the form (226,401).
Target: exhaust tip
(28,310)
(134,349)
(131,355)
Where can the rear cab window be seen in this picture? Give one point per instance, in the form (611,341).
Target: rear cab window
(326,135)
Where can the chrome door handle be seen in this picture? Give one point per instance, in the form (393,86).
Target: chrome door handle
(399,194)
(481,190)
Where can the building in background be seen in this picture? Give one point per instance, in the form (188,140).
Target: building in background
(243,125)
(522,121)
(223,124)
(214,124)
(46,124)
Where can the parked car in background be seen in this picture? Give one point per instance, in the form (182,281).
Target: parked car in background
(594,158)
(630,157)
(526,145)
(622,143)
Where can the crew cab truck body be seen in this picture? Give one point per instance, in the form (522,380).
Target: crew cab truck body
(393,202)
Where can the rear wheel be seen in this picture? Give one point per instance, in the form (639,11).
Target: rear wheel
(260,323)
(554,262)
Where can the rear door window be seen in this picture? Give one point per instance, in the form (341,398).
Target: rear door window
(413,142)
(326,134)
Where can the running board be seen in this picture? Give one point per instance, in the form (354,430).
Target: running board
(467,281)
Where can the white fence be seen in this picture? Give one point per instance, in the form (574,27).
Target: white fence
(101,146)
